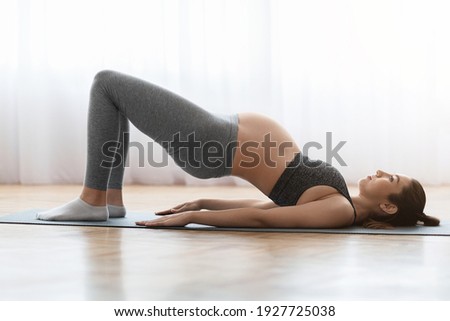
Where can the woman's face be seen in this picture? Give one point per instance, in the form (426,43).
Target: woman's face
(379,186)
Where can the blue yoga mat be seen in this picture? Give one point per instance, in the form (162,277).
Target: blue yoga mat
(29,217)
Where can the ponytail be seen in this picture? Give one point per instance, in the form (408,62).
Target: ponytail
(428,220)
(385,224)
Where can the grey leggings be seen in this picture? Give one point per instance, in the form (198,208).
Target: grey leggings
(200,142)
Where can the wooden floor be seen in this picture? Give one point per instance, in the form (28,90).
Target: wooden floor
(92,263)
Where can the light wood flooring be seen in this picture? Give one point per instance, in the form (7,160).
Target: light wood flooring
(92,263)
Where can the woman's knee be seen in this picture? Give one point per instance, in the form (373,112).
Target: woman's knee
(104,78)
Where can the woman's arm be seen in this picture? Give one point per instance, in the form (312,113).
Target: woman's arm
(217,204)
(221,204)
(333,212)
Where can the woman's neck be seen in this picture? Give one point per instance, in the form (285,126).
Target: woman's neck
(363,208)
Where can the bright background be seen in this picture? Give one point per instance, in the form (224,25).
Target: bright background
(374,73)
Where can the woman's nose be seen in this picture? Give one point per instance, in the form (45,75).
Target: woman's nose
(380,173)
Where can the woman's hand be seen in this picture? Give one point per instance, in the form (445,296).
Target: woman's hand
(188,206)
(179,219)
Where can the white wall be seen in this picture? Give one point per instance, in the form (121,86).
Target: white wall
(374,73)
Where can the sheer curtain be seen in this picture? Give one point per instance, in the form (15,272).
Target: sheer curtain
(375,74)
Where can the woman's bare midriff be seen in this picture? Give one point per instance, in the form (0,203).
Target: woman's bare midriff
(265,149)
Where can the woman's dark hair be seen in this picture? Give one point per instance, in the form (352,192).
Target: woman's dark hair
(410,203)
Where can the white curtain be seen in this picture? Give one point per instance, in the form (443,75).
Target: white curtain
(375,74)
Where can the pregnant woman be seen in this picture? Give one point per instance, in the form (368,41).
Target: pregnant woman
(303,193)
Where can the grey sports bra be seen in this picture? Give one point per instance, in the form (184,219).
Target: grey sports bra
(303,173)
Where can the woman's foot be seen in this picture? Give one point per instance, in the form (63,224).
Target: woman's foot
(115,203)
(90,206)
(76,210)
(116,211)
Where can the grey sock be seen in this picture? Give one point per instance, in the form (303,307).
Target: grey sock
(76,210)
(116,211)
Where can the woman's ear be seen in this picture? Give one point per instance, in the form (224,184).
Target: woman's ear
(389,208)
